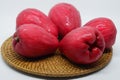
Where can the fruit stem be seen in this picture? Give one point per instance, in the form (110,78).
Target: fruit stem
(16,39)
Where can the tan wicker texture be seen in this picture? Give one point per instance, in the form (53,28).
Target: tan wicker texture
(52,66)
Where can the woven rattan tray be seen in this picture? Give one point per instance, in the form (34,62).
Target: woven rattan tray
(52,66)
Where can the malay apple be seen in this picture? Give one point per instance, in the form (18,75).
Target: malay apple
(35,16)
(106,27)
(83,45)
(66,17)
(32,41)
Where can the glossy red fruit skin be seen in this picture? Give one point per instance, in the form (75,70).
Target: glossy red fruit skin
(66,17)
(35,16)
(32,41)
(106,27)
(83,45)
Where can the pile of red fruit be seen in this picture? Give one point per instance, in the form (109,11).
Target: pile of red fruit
(39,35)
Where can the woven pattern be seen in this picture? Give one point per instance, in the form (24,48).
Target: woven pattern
(52,66)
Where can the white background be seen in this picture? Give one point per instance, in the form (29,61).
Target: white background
(89,9)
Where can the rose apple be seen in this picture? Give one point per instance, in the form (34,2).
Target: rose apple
(106,27)
(32,41)
(83,45)
(34,16)
(66,17)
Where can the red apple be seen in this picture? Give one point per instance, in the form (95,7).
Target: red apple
(66,17)
(32,41)
(34,16)
(106,27)
(83,45)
